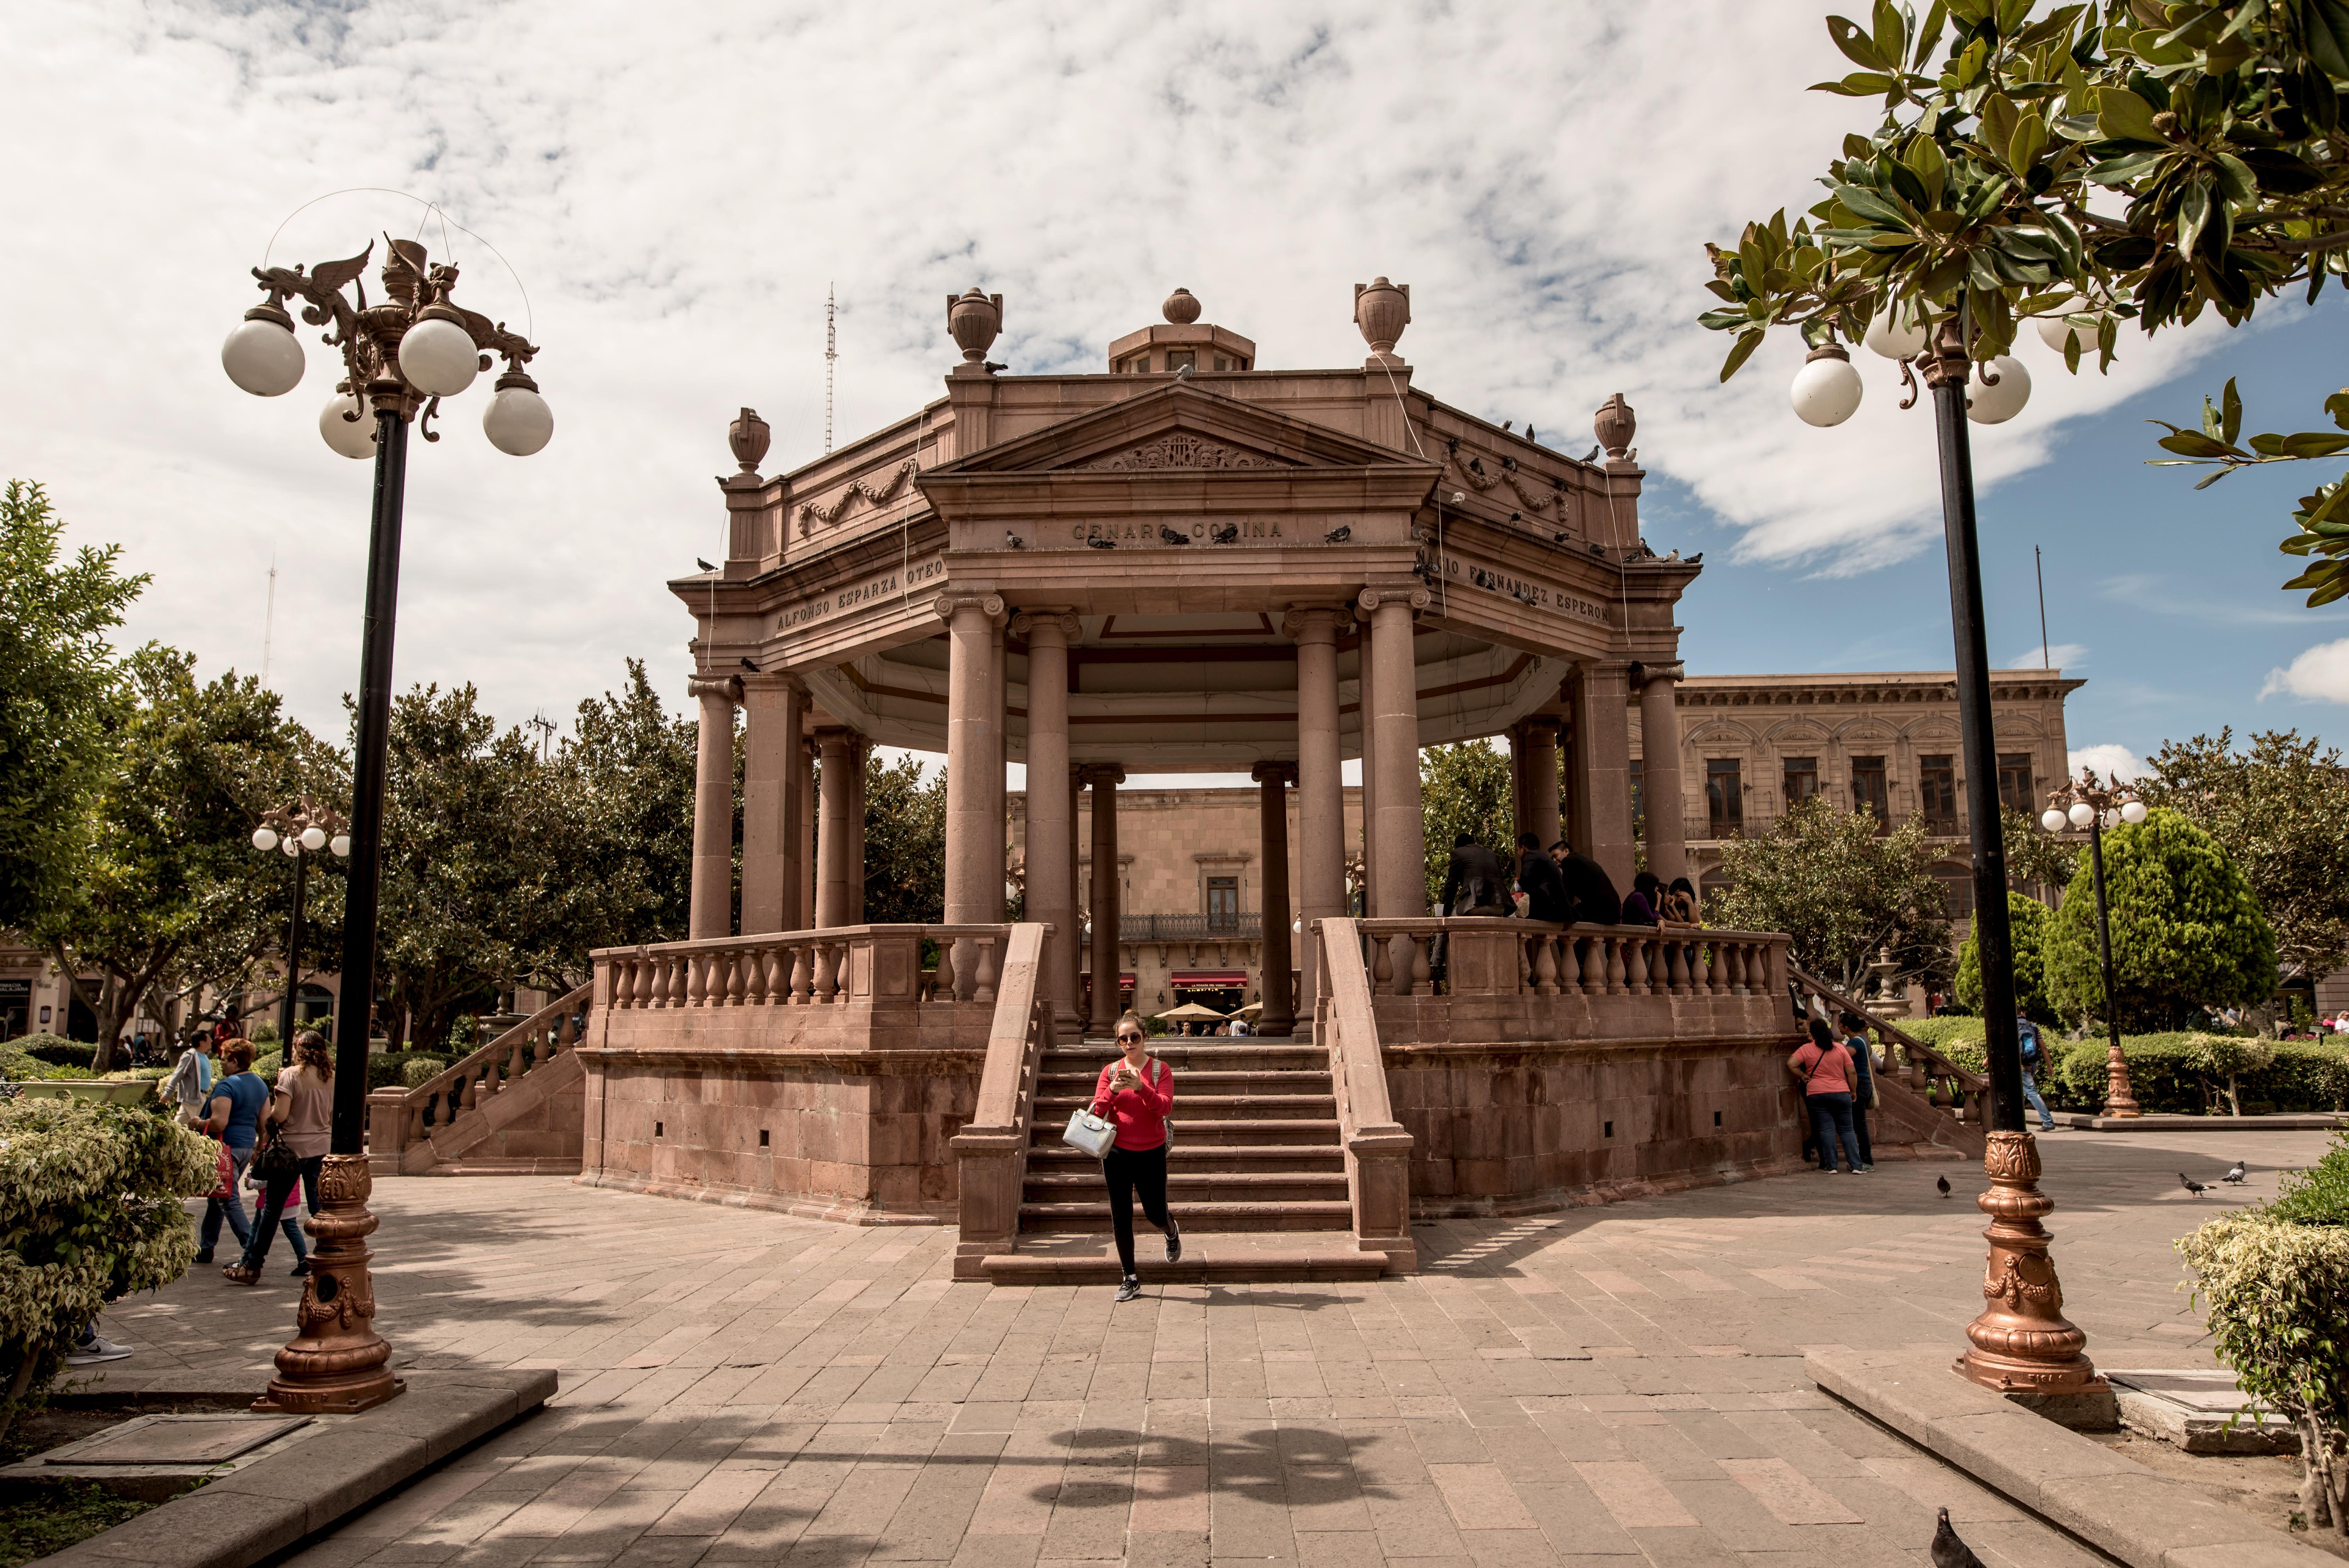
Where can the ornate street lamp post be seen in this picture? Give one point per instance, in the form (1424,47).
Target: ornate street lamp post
(2084,803)
(301,829)
(400,357)
(2022,1342)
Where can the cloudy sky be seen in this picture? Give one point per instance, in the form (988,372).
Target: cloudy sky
(676,186)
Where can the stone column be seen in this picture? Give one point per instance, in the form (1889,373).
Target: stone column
(1539,814)
(836,836)
(971,818)
(802,891)
(1051,815)
(858,750)
(771,710)
(1367,717)
(998,759)
(710,912)
(1279,1014)
(1519,792)
(1105,777)
(1320,785)
(1398,841)
(1660,771)
(1602,756)
(1072,951)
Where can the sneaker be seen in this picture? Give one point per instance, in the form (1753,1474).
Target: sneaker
(1129,1288)
(301,1269)
(94,1349)
(1865,1171)
(1173,1242)
(204,1257)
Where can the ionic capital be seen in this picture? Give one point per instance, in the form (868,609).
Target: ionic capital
(1413,597)
(1336,620)
(1540,730)
(1642,675)
(728,686)
(1273,773)
(988,605)
(1025,623)
(1098,774)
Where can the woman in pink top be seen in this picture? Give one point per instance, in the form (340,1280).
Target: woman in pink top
(1134,1095)
(299,1110)
(1825,1069)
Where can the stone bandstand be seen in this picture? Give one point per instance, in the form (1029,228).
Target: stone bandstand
(1183,563)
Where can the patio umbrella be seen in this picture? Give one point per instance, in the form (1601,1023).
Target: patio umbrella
(1250,1011)
(1189,1013)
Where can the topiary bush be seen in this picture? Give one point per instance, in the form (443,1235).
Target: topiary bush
(268,1063)
(388,1069)
(2028,918)
(56,1051)
(2169,1074)
(89,1212)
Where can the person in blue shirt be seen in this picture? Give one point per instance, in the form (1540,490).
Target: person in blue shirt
(2034,1062)
(234,1116)
(1863,1085)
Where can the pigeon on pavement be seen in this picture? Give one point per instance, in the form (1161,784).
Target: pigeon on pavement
(2236,1174)
(2197,1188)
(1943,1183)
(1948,1551)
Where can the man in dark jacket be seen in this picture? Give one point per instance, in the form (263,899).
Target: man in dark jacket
(1588,887)
(1478,882)
(1544,889)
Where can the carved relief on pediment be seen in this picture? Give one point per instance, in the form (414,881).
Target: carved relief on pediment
(1179,449)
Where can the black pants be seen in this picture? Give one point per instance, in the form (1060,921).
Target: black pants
(1129,1172)
(1859,1128)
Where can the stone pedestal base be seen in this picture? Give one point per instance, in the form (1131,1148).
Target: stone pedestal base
(2021,1342)
(337,1364)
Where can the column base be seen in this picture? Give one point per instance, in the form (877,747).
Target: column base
(2021,1342)
(337,1364)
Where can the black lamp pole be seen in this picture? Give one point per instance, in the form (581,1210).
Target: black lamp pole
(293,954)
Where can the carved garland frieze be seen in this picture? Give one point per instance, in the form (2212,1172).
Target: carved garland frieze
(1179,449)
(877,495)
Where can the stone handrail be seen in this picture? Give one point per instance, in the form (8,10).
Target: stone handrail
(1576,960)
(1918,1055)
(793,968)
(1378,1148)
(991,1151)
(479,1074)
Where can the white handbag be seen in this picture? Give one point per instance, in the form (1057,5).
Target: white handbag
(1090,1134)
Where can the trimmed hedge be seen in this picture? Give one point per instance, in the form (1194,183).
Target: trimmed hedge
(2304,1075)
(89,1212)
(56,1051)
(390,1070)
(2320,1194)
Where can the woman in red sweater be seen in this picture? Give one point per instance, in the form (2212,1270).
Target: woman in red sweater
(1134,1095)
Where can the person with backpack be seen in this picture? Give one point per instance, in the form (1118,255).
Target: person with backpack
(191,1083)
(2034,1061)
(1135,1094)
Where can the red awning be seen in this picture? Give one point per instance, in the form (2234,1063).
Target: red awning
(1220,977)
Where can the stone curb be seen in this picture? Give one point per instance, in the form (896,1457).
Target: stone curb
(2283,1121)
(2113,1503)
(241,1519)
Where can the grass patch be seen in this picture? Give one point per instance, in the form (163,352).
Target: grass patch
(54,1515)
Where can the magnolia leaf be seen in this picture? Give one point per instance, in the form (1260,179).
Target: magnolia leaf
(1746,343)
(2314,444)
(2213,477)
(1857,46)
(1859,84)
(2194,444)
(1923,158)
(2339,583)
(2193,212)
(2235,180)
(2030,139)
(2231,404)
(1929,37)
(2124,117)
(2327,22)
(2268,446)
(1999,118)
(2338,406)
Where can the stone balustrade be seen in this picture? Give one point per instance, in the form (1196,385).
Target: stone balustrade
(1575,961)
(400,1120)
(1378,1148)
(802,968)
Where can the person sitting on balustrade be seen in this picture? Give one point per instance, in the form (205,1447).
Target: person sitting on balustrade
(1589,887)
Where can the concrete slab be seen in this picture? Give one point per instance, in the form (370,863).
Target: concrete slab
(333,1466)
(2112,1503)
(2199,1410)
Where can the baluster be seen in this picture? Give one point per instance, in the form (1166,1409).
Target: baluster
(1617,982)
(1570,964)
(1741,970)
(647,982)
(769,974)
(701,970)
(984,991)
(945,981)
(1419,948)
(802,968)
(1676,975)
(515,1065)
(1525,965)
(1544,974)
(1381,969)
(669,981)
(1635,965)
(622,982)
(470,1097)
(826,983)
(415,1114)
(738,978)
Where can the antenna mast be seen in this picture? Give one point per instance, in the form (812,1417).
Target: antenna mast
(268,619)
(830,353)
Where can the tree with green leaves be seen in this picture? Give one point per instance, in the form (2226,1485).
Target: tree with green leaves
(2281,811)
(2027,919)
(2187,932)
(63,697)
(2135,160)
(1464,788)
(2036,857)
(1844,889)
(167,875)
(904,841)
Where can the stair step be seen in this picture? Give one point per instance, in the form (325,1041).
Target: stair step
(1191,1085)
(1187,1058)
(1193,1132)
(1197,1267)
(1270,1214)
(1191,1155)
(1205,1186)
(1055,1109)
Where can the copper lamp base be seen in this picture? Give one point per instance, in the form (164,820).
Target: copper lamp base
(336,1363)
(2021,1342)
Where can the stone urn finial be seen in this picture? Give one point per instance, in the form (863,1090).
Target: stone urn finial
(1182,307)
(975,319)
(1382,310)
(749,436)
(1615,427)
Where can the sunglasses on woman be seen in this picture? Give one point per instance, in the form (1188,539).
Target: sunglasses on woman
(1127,1039)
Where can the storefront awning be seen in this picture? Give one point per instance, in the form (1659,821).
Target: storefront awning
(1208,977)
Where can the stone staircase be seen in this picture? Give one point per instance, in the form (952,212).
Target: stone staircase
(1256,1151)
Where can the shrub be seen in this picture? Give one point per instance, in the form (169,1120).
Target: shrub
(2227,1057)
(1940,1033)
(2169,1074)
(421,1071)
(2278,1294)
(268,1063)
(2028,918)
(2186,930)
(90,1210)
(56,1051)
(2320,1194)
(388,1070)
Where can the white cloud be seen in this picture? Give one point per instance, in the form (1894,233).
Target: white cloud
(2321,675)
(678,187)
(2061,655)
(2113,764)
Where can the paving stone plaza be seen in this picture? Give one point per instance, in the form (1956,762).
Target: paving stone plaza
(1613,1384)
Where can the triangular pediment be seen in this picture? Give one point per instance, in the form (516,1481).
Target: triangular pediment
(1172,429)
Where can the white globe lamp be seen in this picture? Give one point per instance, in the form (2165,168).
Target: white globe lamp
(436,356)
(262,354)
(518,422)
(2057,331)
(2052,819)
(291,846)
(1891,337)
(265,838)
(341,844)
(1995,404)
(314,839)
(1826,389)
(346,425)
(2133,813)
(2081,813)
